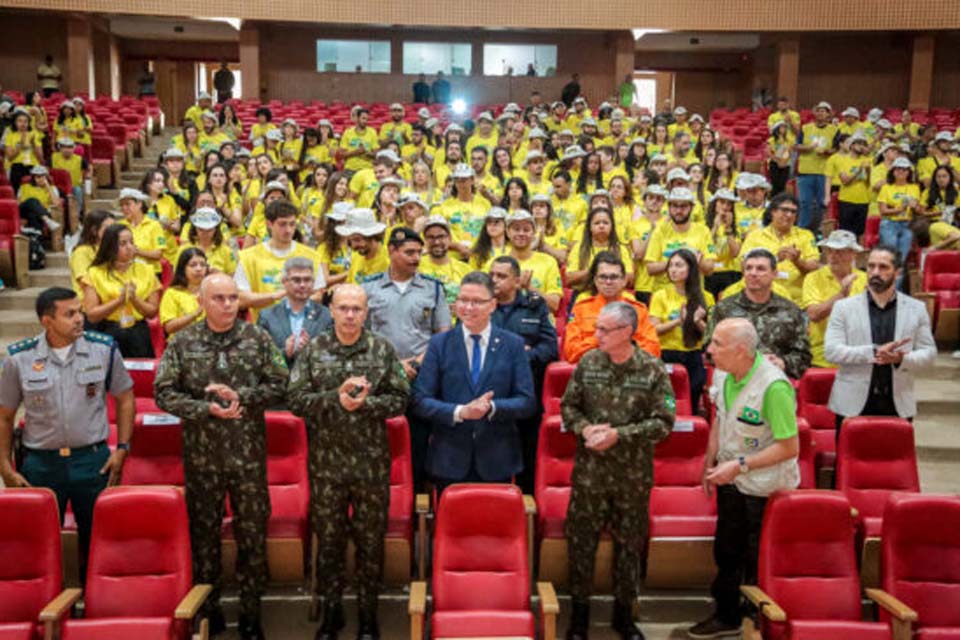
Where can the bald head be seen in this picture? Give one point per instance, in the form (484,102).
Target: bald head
(220,300)
(352,292)
(739,332)
(216,281)
(349,310)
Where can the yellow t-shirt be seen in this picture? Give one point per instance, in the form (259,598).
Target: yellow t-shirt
(312,201)
(26,156)
(391,130)
(166,208)
(665,305)
(221,258)
(264,270)
(792,117)
(725,262)
(831,171)
(640,229)
(260,130)
(570,212)
(149,236)
(352,140)
(40,194)
(858,191)
(573,257)
(878,173)
(822,137)
(895,195)
(787,272)
(490,142)
(940,231)
(212,141)
(665,240)
(545,273)
(818,287)
(364,183)
(466,218)
(290,152)
(195,114)
(449,274)
(495,252)
(73,165)
(108,284)
(177,302)
(339,262)
(362,267)
(80,260)
(749,218)
(74,128)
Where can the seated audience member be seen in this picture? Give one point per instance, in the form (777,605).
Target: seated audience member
(94,224)
(206,233)
(120,294)
(607,278)
(180,305)
(39,201)
(679,313)
(149,238)
(599,233)
(297,318)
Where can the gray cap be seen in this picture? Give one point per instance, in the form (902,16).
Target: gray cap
(681,194)
(519,215)
(66,142)
(208,115)
(290,121)
(573,151)
(423,112)
(655,190)
(273,185)
(204,96)
(724,194)
(462,170)
(883,123)
(536,132)
(173,152)
(588,122)
(68,103)
(485,115)
(39,170)
(274,134)
(339,211)
(243,152)
(388,154)
(131,194)
(323,122)
(840,239)
(638,140)
(696,118)
(679,111)
(431,123)
(362,222)
(413,198)
(206,218)
(566,132)
(858,136)
(851,112)
(677,173)
(540,197)
(391,181)
(497,213)
(823,104)
(533,154)
(874,114)
(901,163)
(945,136)
(437,220)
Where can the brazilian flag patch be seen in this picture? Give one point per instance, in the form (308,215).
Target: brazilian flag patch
(751,416)
(671,403)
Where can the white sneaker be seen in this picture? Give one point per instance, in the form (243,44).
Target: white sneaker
(52,224)
(956,354)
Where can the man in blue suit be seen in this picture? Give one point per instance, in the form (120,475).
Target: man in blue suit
(474,385)
(297,318)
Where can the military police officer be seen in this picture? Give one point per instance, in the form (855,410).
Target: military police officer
(218,376)
(345,383)
(407,308)
(619,403)
(62,377)
(780,323)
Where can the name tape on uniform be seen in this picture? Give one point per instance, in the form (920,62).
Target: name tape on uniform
(140,365)
(683,426)
(157,419)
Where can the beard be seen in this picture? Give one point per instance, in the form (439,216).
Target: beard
(879,285)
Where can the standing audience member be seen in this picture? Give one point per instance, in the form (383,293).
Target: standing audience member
(297,318)
(814,146)
(619,403)
(218,376)
(752,453)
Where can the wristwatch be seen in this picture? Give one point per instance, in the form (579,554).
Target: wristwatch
(123,446)
(742,461)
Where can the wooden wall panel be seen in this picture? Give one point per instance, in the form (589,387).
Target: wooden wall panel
(24,41)
(946,72)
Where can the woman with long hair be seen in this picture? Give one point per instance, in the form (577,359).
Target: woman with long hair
(180,305)
(423,185)
(120,294)
(23,147)
(515,195)
(228,202)
(679,313)
(706,140)
(722,222)
(206,234)
(549,236)
(334,250)
(313,147)
(591,175)
(698,185)
(898,201)
(722,175)
(337,190)
(189,142)
(636,160)
(780,148)
(660,141)
(622,205)
(40,201)
(502,166)
(230,122)
(91,231)
(599,234)
(162,207)
(491,241)
(385,202)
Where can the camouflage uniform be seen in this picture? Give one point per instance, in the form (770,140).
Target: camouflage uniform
(612,488)
(224,456)
(781,325)
(349,456)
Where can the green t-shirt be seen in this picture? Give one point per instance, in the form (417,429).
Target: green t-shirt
(779,402)
(627,91)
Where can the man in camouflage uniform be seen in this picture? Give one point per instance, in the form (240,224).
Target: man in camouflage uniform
(780,323)
(345,383)
(619,403)
(219,376)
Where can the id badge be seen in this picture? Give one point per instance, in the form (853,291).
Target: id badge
(127,320)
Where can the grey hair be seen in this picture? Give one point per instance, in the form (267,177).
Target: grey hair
(297,263)
(623,312)
(742,332)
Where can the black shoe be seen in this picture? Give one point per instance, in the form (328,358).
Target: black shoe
(623,623)
(368,629)
(579,620)
(216,622)
(249,628)
(713,628)
(333,622)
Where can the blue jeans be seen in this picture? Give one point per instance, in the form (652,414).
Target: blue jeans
(897,234)
(810,193)
(78,197)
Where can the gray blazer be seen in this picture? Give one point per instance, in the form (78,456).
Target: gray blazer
(848,343)
(277,323)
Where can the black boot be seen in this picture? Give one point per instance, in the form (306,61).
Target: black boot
(216,622)
(579,620)
(332,622)
(249,627)
(623,622)
(368,629)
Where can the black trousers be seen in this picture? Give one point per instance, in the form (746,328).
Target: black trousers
(778,178)
(716,282)
(133,342)
(877,404)
(692,361)
(735,549)
(853,217)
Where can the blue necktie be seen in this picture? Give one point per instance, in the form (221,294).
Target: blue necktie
(475,360)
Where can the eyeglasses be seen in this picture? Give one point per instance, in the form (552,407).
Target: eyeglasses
(606,330)
(609,277)
(303,280)
(791,210)
(473,302)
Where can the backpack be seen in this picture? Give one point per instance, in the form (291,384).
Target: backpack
(37,254)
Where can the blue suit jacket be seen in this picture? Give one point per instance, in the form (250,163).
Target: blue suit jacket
(444,382)
(277,323)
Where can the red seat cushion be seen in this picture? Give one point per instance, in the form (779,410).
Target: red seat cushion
(16,631)
(679,512)
(938,633)
(837,630)
(121,629)
(482,623)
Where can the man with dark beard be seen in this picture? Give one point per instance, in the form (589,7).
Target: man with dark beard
(878,339)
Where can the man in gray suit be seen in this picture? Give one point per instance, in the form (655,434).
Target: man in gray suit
(297,318)
(878,339)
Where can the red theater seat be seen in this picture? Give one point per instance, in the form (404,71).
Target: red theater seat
(921,566)
(144,372)
(683,519)
(808,585)
(139,580)
(156,451)
(481,579)
(30,573)
(941,277)
(813,395)
(554,385)
(680,381)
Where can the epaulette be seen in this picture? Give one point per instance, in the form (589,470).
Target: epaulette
(373,278)
(96,336)
(22,345)
(433,279)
